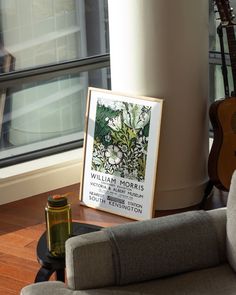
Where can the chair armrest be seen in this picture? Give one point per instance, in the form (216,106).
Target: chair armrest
(146,250)
(165,246)
(89,262)
(218,218)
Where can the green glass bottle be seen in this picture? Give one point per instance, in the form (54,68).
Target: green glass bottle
(58,224)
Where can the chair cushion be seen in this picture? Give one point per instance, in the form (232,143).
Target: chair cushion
(218,280)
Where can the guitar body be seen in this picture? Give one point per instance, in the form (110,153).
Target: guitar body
(222,158)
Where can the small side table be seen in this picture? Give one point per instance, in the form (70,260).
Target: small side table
(49,264)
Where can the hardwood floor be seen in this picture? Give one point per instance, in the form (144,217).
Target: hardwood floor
(22,223)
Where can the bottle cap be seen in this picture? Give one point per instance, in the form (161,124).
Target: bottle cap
(57,201)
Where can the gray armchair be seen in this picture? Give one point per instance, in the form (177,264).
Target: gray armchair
(186,253)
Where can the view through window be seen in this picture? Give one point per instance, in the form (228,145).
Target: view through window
(50,52)
(216,85)
(39,112)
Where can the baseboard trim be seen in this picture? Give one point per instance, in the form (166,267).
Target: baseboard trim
(39,176)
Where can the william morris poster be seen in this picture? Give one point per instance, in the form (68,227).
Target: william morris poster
(120,153)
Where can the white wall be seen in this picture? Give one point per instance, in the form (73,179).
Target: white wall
(159,48)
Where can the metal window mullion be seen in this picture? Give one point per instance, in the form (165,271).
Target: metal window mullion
(52,71)
(215,58)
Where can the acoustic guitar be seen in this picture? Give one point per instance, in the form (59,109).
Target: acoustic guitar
(222,158)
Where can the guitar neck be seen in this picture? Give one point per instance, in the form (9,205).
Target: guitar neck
(232,51)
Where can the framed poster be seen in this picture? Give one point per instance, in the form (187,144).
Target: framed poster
(120,153)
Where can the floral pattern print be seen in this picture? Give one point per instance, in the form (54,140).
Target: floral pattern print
(121,139)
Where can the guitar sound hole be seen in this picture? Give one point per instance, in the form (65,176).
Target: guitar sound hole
(233,122)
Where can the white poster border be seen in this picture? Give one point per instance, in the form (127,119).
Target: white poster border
(122,191)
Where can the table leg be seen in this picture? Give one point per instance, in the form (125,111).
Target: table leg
(60,275)
(43,274)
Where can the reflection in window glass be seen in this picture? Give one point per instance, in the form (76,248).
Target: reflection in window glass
(45,114)
(34,33)
(41,32)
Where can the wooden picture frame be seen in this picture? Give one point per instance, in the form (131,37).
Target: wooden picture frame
(120,153)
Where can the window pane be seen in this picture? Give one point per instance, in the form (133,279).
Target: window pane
(42,32)
(216,75)
(216,82)
(46,114)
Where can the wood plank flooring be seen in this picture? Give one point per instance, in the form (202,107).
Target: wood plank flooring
(23,222)
(21,225)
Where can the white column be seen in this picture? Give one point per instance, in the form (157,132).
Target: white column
(159,48)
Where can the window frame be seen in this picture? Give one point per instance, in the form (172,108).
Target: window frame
(12,79)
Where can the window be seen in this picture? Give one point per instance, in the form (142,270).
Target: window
(215,70)
(50,52)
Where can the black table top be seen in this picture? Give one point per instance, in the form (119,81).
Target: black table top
(47,260)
